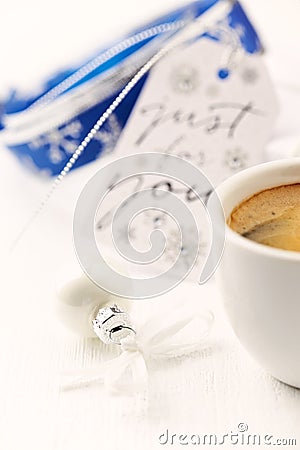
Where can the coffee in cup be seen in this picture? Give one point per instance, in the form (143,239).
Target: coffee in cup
(260,283)
(270,217)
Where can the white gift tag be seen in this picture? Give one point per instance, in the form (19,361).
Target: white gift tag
(185,109)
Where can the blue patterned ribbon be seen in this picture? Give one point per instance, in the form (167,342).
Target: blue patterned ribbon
(45,129)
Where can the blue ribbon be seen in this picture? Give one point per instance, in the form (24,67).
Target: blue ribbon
(50,148)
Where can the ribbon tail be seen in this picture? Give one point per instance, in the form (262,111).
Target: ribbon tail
(130,376)
(125,374)
(86,377)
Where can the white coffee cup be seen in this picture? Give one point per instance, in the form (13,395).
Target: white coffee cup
(261,284)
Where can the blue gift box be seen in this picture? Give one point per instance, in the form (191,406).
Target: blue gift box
(44,130)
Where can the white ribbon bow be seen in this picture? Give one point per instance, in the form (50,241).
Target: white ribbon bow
(184,334)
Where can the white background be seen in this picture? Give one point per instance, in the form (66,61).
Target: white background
(211,392)
(38,37)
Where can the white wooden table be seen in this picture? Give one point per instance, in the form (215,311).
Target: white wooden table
(211,392)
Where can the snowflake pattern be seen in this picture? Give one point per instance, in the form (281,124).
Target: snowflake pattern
(61,141)
(184,79)
(109,137)
(235,159)
(152,220)
(249,75)
(174,249)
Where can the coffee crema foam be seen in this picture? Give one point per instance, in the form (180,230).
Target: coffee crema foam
(270,217)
